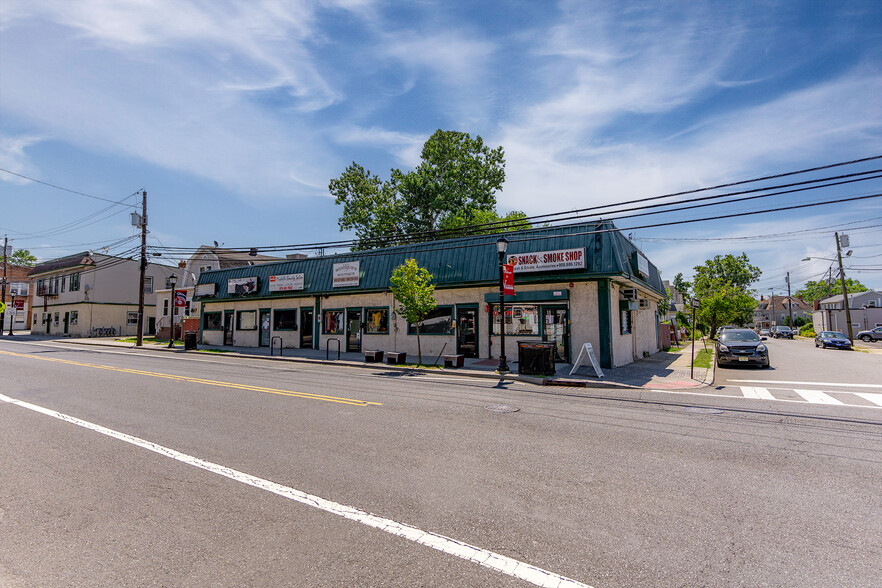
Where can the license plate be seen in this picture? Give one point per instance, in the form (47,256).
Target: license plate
(743,359)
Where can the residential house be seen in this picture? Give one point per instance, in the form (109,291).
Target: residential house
(776,310)
(865,309)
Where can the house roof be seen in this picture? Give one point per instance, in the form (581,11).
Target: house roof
(464,261)
(851,296)
(83,259)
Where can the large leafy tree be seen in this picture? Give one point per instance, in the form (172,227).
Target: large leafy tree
(454,186)
(22,257)
(722,285)
(415,293)
(821,289)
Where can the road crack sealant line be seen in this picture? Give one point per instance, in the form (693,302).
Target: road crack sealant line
(488,559)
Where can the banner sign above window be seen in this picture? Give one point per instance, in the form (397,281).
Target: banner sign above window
(206,289)
(286,282)
(346,274)
(242,285)
(544,261)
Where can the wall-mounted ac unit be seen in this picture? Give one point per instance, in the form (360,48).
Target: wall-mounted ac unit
(643,303)
(629,293)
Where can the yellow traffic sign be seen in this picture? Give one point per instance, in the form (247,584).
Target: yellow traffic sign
(2,307)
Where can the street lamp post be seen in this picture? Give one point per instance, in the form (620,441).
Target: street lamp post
(501,246)
(172,280)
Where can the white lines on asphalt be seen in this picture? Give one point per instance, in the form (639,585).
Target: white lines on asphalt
(483,557)
(807,383)
(872,397)
(760,393)
(817,397)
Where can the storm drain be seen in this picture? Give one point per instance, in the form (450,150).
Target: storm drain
(501,408)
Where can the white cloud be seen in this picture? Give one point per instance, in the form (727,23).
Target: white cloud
(14,158)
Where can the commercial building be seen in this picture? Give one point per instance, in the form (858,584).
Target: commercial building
(865,309)
(574,284)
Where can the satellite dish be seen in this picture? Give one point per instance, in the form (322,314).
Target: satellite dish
(88,287)
(215,243)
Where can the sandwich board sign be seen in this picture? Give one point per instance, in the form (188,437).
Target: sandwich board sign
(587,354)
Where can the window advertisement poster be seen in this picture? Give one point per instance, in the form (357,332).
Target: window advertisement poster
(346,274)
(286,282)
(544,261)
(242,285)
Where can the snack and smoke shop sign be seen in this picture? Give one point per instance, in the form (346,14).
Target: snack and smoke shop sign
(346,274)
(544,261)
(286,282)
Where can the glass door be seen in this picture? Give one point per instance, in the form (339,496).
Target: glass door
(228,327)
(264,328)
(353,331)
(555,327)
(467,331)
(306,328)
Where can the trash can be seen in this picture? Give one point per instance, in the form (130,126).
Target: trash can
(536,358)
(190,340)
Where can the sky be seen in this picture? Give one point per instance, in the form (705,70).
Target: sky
(235,115)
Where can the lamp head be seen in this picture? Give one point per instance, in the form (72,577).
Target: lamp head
(501,245)
(173,279)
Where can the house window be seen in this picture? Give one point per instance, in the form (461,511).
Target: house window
(74,317)
(332,322)
(165,307)
(520,319)
(437,322)
(35,318)
(41,288)
(132,318)
(56,318)
(211,321)
(376,321)
(246,320)
(74,282)
(148,284)
(285,320)
(63,278)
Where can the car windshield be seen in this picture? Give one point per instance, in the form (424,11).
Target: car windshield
(783,328)
(832,335)
(739,336)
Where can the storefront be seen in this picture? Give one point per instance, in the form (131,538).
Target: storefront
(574,284)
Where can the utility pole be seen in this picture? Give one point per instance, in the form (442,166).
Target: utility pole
(3,287)
(772,314)
(143,222)
(789,301)
(844,290)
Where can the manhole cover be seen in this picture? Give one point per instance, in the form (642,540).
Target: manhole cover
(700,410)
(501,408)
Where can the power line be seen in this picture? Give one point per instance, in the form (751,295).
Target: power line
(68,189)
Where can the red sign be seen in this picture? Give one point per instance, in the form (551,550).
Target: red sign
(508,279)
(180,298)
(19,303)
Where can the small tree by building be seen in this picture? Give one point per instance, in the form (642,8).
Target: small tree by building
(415,293)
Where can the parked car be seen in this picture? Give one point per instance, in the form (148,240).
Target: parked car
(764,332)
(871,335)
(834,339)
(783,332)
(741,346)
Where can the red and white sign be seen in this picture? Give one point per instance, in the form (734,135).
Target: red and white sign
(19,303)
(286,282)
(180,298)
(544,261)
(508,279)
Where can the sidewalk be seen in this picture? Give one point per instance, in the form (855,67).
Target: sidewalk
(663,370)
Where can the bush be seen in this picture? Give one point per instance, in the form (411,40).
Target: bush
(807,331)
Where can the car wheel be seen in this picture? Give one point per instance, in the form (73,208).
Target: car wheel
(865,338)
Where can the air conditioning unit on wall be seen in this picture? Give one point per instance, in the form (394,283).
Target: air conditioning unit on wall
(629,293)
(644,303)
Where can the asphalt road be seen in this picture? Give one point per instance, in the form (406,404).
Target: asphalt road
(123,467)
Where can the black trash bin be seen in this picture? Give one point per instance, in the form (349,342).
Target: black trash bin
(190,340)
(536,358)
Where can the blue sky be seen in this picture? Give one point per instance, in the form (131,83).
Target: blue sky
(235,115)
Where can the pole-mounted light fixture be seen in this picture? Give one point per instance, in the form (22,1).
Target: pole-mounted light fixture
(172,280)
(501,247)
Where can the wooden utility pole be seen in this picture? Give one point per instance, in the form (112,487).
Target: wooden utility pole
(3,286)
(143,223)
(844,289)
(789,301)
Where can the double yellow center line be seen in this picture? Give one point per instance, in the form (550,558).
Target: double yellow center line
(337,399)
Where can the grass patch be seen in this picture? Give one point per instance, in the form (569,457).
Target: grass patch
(703,359)
(150,340)
(214,350)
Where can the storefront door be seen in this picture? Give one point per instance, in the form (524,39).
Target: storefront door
(555,323)
(66,321)
(353,332)
(307,325)
(228,327)
(467,330)
(264,328)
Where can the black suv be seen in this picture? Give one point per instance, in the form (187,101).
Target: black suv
(782,331)
(741,346)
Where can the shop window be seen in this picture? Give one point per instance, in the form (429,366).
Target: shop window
(376,321)
(211,321)
(132,318)
(520,319)
(74,317)
(332,322)
(437,322)
(285,320)
(246,320)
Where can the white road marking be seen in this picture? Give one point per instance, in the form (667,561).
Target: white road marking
(861,394)
(761,393)
(807,383)
(483,557)
(817,397)
(872,397)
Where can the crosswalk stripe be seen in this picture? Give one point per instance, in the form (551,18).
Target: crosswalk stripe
(750,392)
(817,397)
(871,396)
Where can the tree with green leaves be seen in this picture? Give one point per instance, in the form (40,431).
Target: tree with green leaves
(821,289)
(22,257)
(415,293)
(722,285)
(454,186)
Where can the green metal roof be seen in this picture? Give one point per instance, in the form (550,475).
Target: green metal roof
(464,261)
